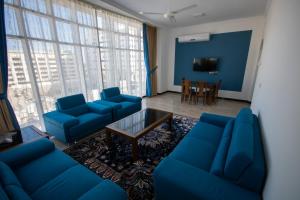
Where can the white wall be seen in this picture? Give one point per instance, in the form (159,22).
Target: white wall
(256,24)
(277,100)
(162,61)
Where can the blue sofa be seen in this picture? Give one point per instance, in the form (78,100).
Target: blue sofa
(39,171)
(75,119)
(220,158)
(122,104)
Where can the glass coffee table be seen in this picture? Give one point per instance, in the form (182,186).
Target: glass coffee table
(137,125)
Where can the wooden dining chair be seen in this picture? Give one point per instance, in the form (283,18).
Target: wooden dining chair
(217,88)
(186,90)
(200,91)
(211,93)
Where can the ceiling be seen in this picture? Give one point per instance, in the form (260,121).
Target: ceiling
(215,10)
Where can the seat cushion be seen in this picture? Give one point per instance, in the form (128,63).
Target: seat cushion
(105,190)
(207,132)
(3,195)
(240,153)
(44,169)
(12,188)
(217,167)
(71,184)
(116,99)
(16,193)
(196,152)
(127,108)
(7,176)
(89,123)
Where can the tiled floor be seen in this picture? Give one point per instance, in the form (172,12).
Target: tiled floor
(171,102)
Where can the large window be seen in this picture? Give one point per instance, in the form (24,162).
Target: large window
(63,47)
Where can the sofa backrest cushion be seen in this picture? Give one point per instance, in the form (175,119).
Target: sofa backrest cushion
(76,111)
(74,105)
(245,115)
(240,153)
(110,92)
(254,176)
(70,101)
(218,164)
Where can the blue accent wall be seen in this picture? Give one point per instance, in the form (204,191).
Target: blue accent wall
(231,49)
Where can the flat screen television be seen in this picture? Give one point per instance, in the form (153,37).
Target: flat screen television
(205,64)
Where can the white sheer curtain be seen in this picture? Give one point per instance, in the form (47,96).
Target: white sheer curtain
(63,47)
(122,55)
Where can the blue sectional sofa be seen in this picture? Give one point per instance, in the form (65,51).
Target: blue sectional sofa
(39,171)
(75,119)
(220,158)
(122,104)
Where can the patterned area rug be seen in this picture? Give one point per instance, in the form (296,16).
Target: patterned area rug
(134,177)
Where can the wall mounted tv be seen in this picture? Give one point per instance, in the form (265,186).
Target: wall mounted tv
(205,64)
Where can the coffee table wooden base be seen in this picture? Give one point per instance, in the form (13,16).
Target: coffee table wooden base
(134,140)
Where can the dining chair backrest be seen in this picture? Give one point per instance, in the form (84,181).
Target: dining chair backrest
(187,84)
(201,85)
(218,87)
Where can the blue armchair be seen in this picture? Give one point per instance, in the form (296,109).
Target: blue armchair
(122,105)
(75,119)
(38,170)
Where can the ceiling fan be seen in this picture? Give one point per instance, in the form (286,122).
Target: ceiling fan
(171,14)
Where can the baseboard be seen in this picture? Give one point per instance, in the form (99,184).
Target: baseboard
(175,92)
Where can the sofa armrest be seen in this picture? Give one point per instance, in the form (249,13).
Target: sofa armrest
(61,120)
(105,190)
(25,153)
(113,105)
(130,98)
(189,182)
(218,120)
(99,108)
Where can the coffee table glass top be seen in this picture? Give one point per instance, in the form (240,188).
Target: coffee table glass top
(135,124)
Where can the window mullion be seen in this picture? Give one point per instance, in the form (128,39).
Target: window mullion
(99,48)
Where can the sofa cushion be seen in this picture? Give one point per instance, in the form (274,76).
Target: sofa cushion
(7,176)
(253,177)
(240,153)
(45,168)
(3,195)
(110,92)
(207,132)
(77,110)
(127,108)
(218,165)
(116,99)
(71,101)
(16,193)
(244,116)
(71,184)
(88,123)
(105,190)
(196,152)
